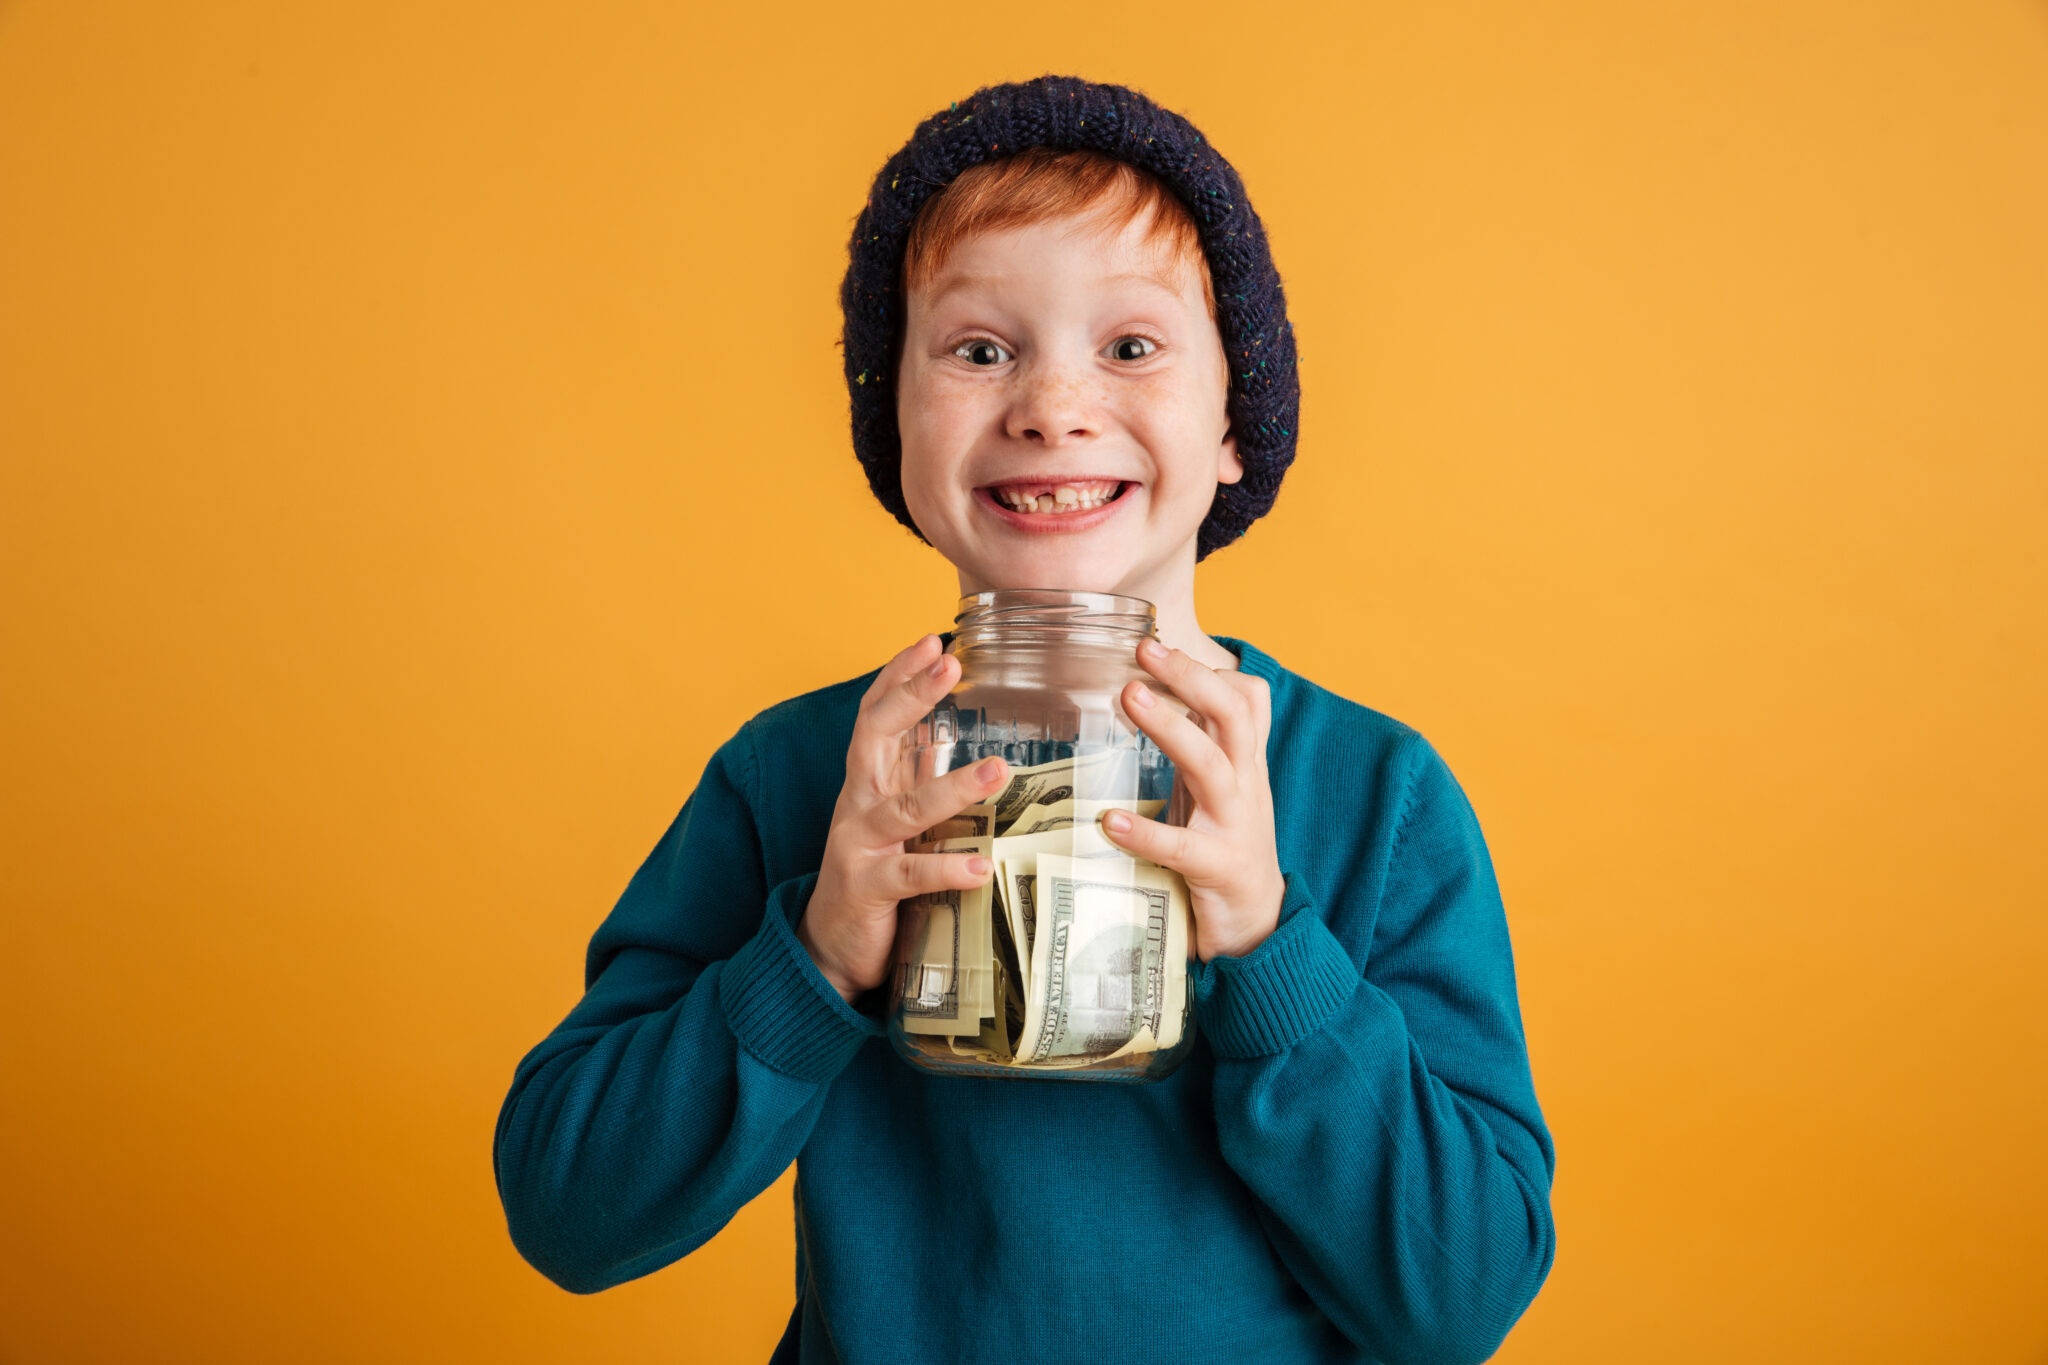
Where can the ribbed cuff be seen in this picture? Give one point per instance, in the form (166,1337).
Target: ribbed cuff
(780,1006)
(1281,991)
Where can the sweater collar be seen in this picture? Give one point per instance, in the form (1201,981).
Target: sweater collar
(1251,659)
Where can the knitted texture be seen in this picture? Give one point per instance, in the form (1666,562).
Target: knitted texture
(1266,1002)
(780,1006)
(1064,112)
(1349,1166)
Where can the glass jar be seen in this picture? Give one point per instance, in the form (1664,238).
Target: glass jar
(1071,963)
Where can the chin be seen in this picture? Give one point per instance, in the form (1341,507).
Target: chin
(1047,569)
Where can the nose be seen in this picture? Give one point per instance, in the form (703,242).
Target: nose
(1053,403)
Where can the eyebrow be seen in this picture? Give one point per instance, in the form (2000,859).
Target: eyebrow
(1157,278)
(1154,277)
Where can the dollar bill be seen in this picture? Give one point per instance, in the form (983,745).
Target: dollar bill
(994,1041)
(1040,817)
(1103,977)
(1111,932)
(928,963)
(1099,772)
(975,822)
(1010,992)
(1019,880)
(946,954)
(1016,866)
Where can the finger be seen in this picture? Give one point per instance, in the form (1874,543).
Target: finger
(1264,697)
(896,709)
(898,876)
(909,813)
(887,715)
(907,661)
(1196,755)
(1196,856)
(1204,689)
(1260,696)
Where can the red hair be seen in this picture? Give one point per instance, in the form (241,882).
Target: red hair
(1042,183)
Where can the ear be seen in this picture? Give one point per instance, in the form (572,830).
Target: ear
(1229,466)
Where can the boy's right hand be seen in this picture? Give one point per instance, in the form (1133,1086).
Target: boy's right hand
(849,927)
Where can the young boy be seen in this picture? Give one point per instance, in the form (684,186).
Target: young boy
(1070,367)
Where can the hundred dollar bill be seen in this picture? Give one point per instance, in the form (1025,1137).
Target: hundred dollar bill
(946,956)
(994,1042)
(928,964)
(1097,772)
(1009,1012)
(1018,879)
(1039,817)
(1016,867)
(1111,933)
(975,822)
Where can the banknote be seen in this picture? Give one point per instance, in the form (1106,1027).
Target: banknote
(993,1042)
(1110,933)
(1010,985)
(1074,953)
(1016,866)
(928,962)
(1095,773)
(975,822)
(946,954)
(1040,817)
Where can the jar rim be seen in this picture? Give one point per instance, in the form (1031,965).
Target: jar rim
(1054,609)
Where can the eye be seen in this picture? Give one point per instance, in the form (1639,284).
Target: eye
(981,351)
(1132,347)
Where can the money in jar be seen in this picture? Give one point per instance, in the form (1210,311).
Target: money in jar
(1071,962)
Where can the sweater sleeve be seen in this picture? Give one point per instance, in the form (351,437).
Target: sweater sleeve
(1385,1116)
(690,1074)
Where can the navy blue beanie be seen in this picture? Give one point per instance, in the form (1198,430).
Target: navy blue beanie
(1064,112)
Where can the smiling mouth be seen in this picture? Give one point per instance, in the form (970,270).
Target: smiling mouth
(1056,497)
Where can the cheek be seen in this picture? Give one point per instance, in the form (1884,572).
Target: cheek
(937,429)
(938,417)
(1185,426)
(920,475)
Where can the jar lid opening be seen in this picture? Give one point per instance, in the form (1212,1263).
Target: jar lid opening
(1058,610)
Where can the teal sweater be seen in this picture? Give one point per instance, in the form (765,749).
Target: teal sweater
(1350,1166)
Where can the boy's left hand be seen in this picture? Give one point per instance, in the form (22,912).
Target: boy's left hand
(1226,851)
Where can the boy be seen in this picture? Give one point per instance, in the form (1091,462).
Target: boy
(1062,379)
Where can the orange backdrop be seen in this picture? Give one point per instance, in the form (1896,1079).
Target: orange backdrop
(425,441)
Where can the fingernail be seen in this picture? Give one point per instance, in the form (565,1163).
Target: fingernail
(1143,696)
(1118,822)
(990,769)
(1153,650)
(978,866)
(937,668)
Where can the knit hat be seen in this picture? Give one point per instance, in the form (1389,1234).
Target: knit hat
(1065,112)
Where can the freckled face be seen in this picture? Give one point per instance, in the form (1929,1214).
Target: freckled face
(1062,400)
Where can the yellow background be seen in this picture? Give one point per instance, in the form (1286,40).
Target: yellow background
(425,441)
